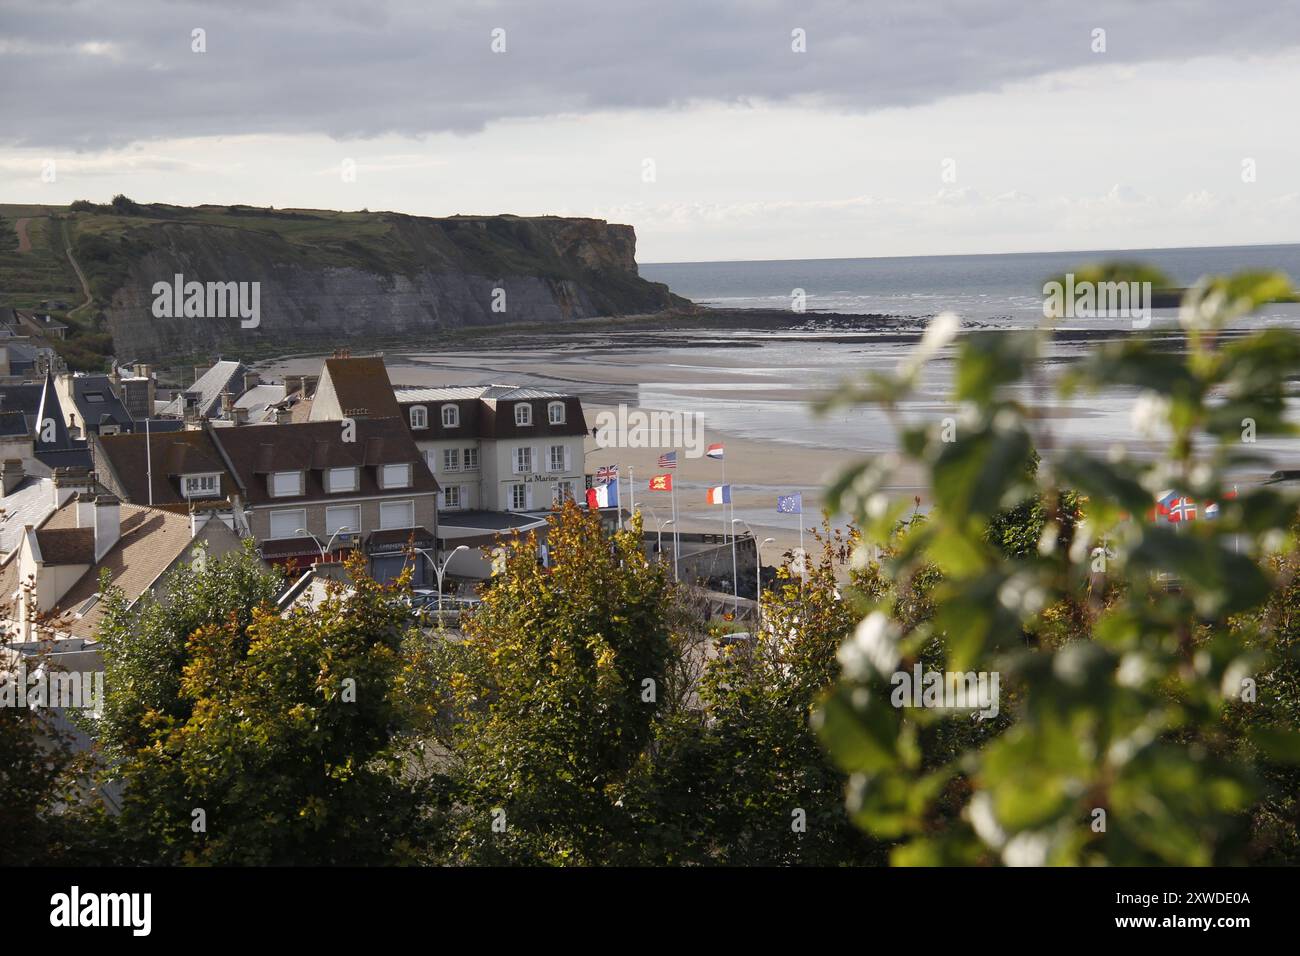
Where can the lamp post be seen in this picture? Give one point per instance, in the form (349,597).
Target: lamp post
(439,571)
(758,573)
(324,548)
(660,525)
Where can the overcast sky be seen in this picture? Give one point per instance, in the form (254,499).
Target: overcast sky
(901,128)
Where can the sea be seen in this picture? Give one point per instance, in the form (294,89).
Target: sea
(995,289)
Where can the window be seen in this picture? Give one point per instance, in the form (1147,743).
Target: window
(285,524)
(201,486)
(419,416)
(518,497)
(286,484)
(555,413)
(523,413)
(523,460)
(396,514)
(451,459)
(342,479)
(563,492)
(558,460)
(450,416)
(451,496)
(471,459)
(338,517)
(397,476)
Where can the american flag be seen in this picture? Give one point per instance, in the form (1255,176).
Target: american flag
(668,460)
(606,473)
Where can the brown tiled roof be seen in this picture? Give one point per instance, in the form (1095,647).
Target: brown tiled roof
(254,451)
(66,545)
(362,386)
(313,447)
(173,453)
(151,540)
(480,418)
(499,419)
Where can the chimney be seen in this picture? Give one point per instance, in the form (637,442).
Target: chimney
(251,380)
(85,505)
(12,474)
(198,372)
(227,404)
(68,482)
(283,416)
(108,524)
(292,383)
(241,416)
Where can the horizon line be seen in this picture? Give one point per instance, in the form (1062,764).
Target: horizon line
(967,255)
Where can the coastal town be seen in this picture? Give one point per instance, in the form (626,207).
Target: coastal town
(110,472)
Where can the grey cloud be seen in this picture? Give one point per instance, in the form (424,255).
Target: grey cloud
(94,73)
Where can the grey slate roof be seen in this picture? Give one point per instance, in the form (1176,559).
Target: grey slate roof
(29,504)
(224,376)
(96,403)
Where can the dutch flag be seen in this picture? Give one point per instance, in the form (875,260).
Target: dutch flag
(715,451)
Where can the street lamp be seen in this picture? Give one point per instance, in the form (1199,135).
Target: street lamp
(660,525)
(439,571)
(328,544)
(758,573)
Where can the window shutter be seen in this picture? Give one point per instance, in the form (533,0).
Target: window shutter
(568,461)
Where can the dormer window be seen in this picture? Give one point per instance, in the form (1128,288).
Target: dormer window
(285,484)
(523,414)
(396,476)
(341,479)
(201,486)
(419,416)
(555,413)
(450,416)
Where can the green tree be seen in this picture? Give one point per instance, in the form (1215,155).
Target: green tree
(550,699)
(737,776)
(263,738)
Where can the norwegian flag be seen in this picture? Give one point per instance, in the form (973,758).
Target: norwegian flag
(1183,509)
(668,460)
(606,473)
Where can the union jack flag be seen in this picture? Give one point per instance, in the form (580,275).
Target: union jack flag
(606,473)
(668,460)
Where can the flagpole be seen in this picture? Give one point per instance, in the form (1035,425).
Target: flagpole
(735,583)
(672,488)
(148,454)
(803,558)
(631,489)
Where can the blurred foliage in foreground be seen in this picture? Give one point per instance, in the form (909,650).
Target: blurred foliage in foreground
(1148,676)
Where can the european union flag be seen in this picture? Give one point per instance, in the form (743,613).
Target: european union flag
(789,504)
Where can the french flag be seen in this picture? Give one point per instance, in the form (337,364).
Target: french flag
(603,496)
(715,451)
(720,495)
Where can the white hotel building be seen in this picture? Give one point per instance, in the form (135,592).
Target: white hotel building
(498,447)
